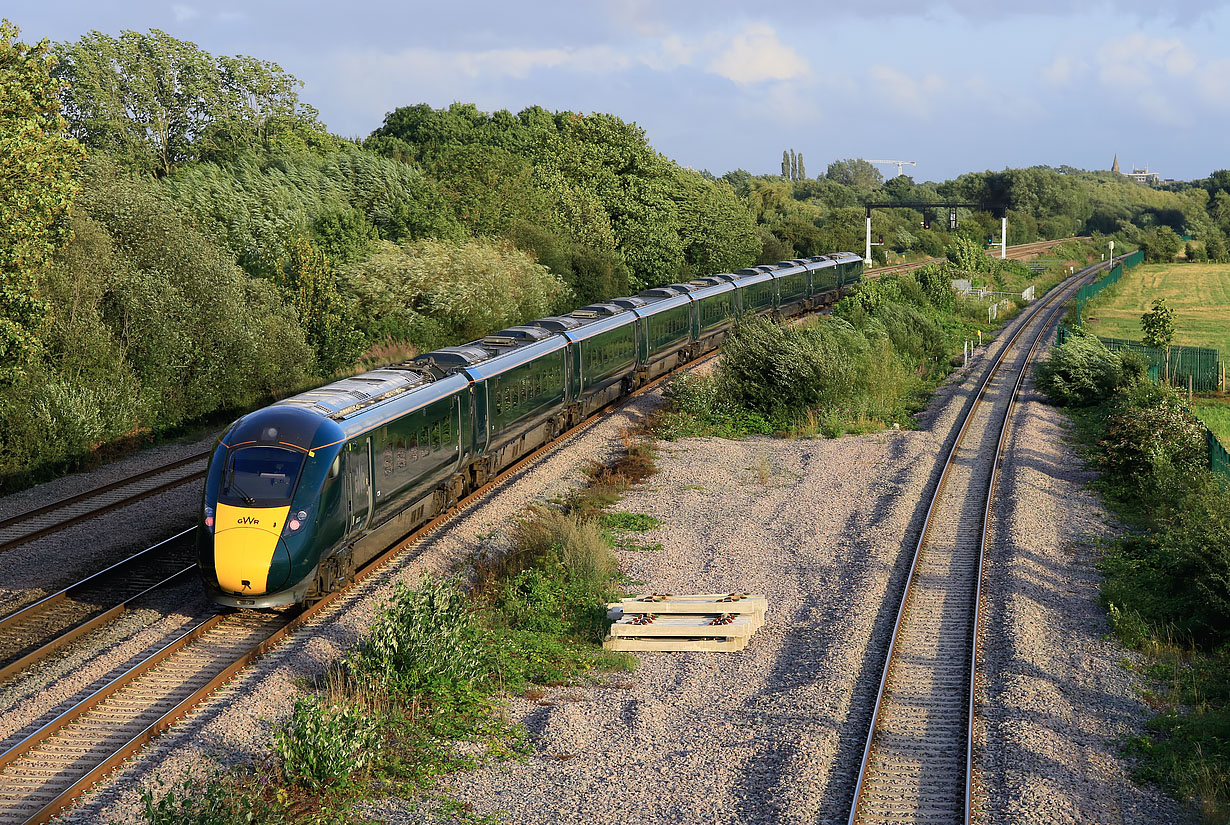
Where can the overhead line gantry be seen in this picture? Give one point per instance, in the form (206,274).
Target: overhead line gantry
(999,210)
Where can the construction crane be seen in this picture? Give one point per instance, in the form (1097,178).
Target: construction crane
(900,164)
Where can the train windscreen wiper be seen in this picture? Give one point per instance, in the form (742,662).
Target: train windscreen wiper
(229,484)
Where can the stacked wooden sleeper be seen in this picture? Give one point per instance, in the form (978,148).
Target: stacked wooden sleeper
(713,622)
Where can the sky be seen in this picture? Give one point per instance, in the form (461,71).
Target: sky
(957,86)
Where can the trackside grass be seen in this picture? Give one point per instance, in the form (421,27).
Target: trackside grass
(1166,581)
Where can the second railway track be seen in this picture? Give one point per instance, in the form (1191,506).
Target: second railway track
(917,761)
(37,630)
(50,518)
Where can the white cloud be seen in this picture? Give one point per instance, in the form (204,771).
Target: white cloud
(184,13)
(1213,82)
(1136,61)
(415,64)
(1059,72)
(913,95)
(756,55)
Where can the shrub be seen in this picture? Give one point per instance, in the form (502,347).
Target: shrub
(451,291)
(212,800)
(775,370)
(1149,434)
(324,744)
(1080,371)
(424,641)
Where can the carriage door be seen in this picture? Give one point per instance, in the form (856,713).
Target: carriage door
(359,483)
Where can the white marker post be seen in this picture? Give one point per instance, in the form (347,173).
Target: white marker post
(1111,244)
(1003,237)
(867,257)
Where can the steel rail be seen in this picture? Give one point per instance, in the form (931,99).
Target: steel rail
(59,637)
(8,524)
(1054,295)
(982,545)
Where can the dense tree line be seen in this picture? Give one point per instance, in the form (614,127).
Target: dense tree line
(182,235)
(797,215)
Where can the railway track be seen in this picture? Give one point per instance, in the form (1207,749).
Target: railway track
(42,521)
(39,629)
(917,759)
(1014,253)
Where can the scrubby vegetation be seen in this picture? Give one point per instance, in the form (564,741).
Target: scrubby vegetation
(1167,580)
(868,365)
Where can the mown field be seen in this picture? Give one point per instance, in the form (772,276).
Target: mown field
(1215,412)
(1199,294)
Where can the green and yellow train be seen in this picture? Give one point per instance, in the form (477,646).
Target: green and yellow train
(301,493)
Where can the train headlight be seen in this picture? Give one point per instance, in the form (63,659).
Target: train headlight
(296,520)
(209,519)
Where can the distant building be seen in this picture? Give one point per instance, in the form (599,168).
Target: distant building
(1114,167)
(1144,176)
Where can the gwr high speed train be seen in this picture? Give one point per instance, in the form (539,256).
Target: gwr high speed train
(301,493)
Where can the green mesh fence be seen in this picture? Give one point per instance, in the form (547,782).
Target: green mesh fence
(1088,291)
(1196,368)
(1219,458)
(1133,260)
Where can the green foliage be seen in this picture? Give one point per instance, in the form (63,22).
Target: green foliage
(1160,245)
(592,275)
(1150,435)
(634,522)
(1158,325)
(216,799)
(152,326)
(425,641)
(967,255)
(1215,247)
(436,292)
(156,102)
(593,177)
(260,204)
(326,744)
(37,187)
(1080,371)
(310,284)
(855,172)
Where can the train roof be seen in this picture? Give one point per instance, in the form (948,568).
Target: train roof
(349,395)
(604,310)
(597,326)
(709,291)
(393,408)
(663,304)
(747,277)
(514,357)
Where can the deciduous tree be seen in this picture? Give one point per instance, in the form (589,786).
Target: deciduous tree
(37,187)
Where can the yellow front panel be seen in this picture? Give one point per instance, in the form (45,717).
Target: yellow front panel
(245,539)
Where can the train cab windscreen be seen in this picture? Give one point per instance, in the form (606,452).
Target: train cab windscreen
(264,475)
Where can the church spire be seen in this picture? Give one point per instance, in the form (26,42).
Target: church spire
(1114,167)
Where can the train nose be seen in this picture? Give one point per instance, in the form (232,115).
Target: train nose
(250,558)
(250,562)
